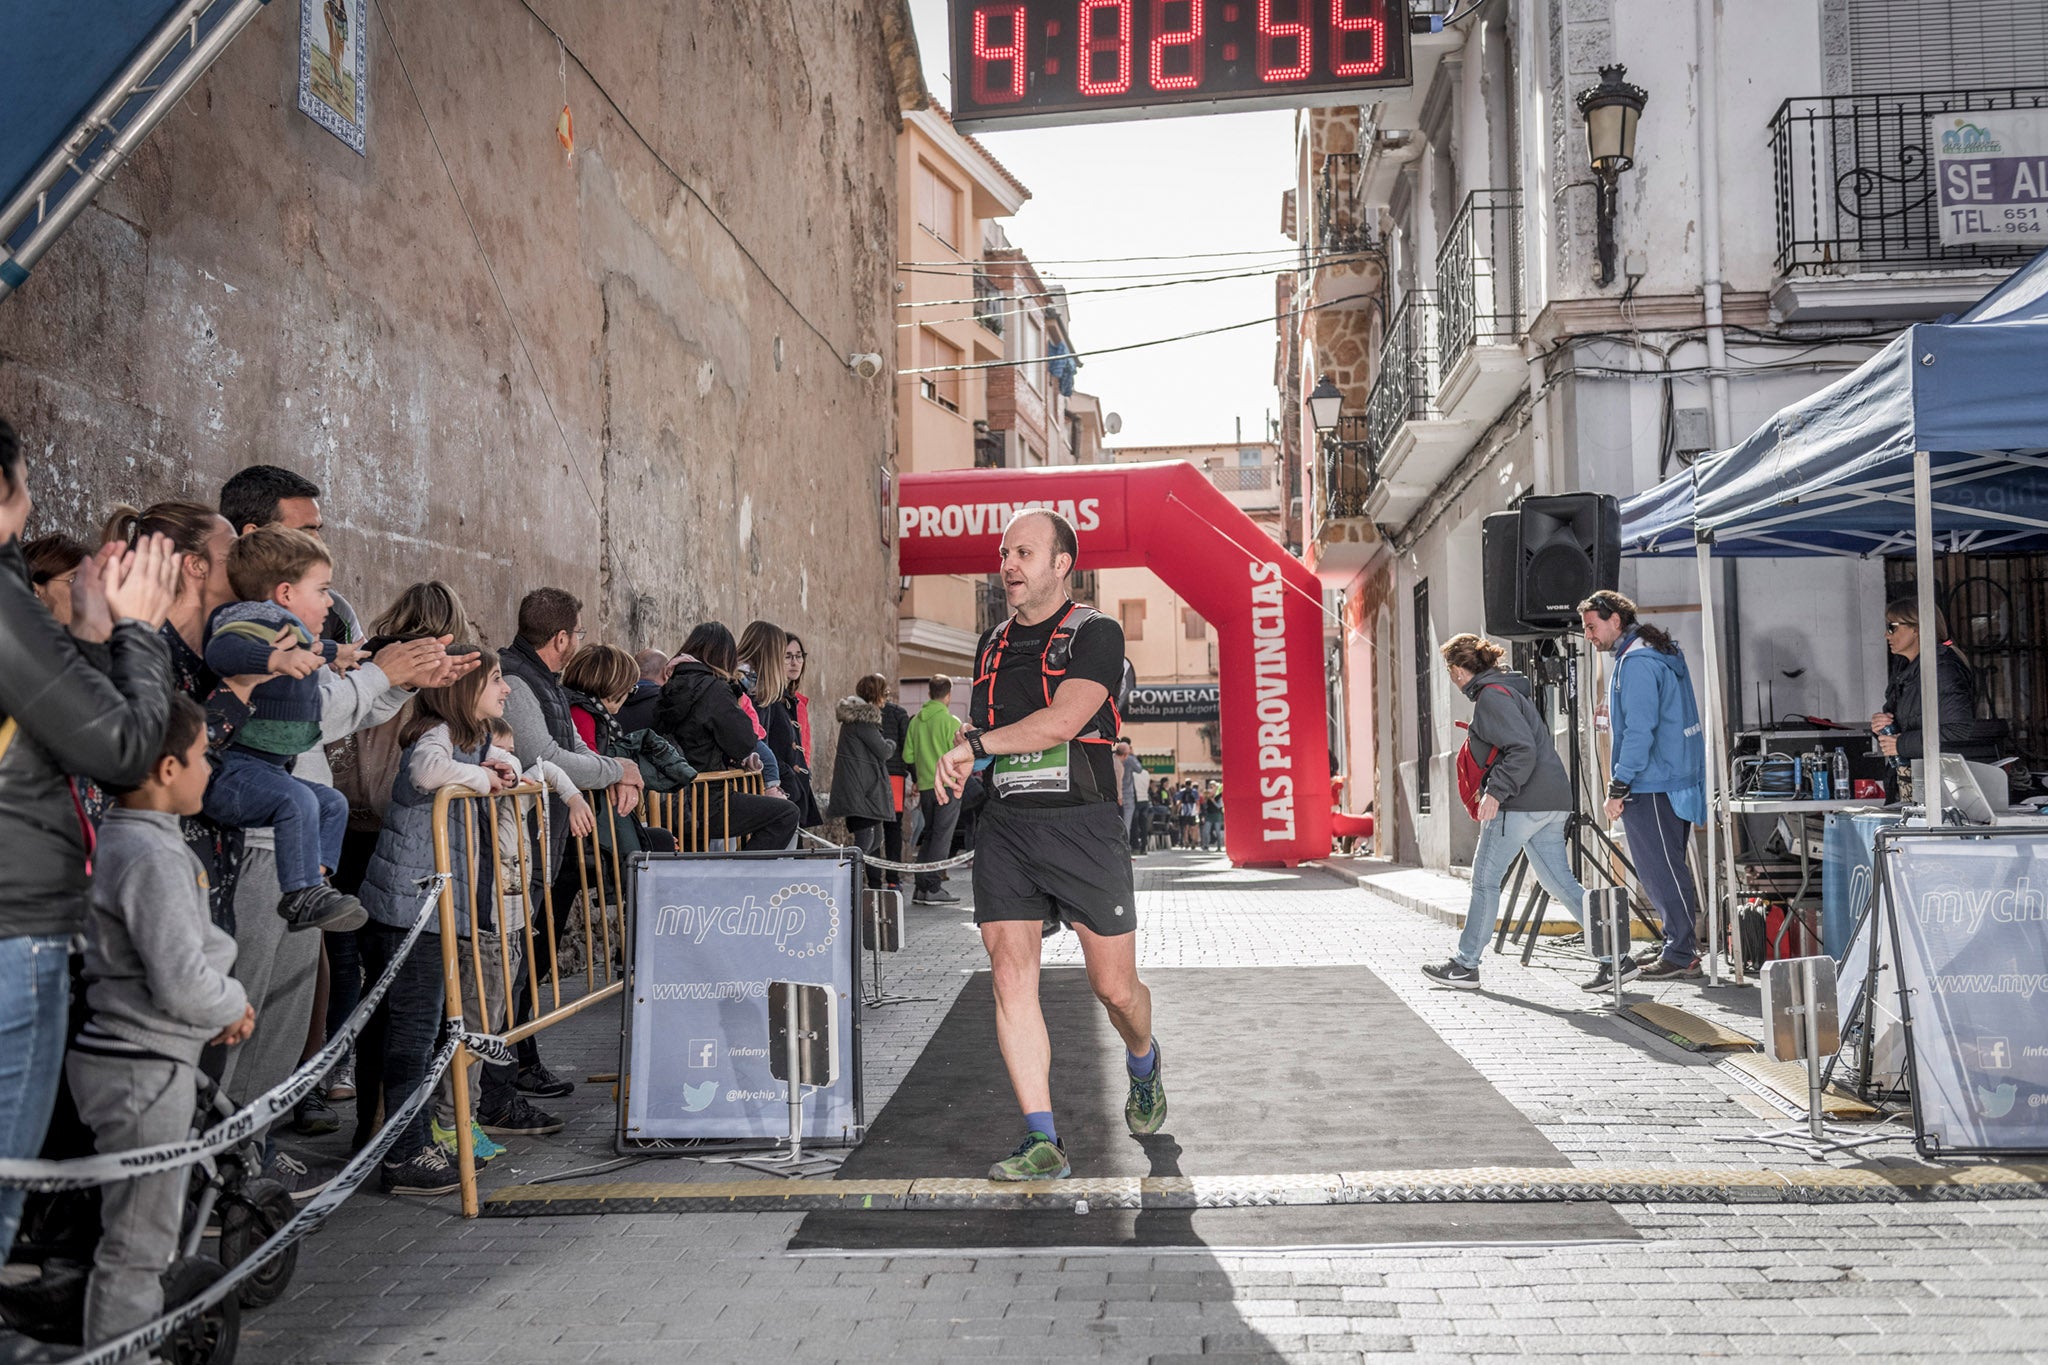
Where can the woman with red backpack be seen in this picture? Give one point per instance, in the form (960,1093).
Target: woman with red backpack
(1515,785)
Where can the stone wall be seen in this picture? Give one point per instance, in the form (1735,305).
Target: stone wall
(618,370)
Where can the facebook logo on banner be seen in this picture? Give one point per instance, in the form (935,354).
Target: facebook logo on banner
(1994,1054)
(703,1053)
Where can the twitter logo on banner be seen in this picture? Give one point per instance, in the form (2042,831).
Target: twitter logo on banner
(696,1097)
(1996,1104)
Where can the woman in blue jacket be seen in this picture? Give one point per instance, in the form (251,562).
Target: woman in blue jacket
(1657,768)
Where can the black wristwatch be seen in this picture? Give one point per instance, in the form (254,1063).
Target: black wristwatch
(973,738)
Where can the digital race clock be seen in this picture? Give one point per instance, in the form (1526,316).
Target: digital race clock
(1020,63)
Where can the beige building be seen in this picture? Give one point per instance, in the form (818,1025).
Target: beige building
(952,310)
(1165,639)
(968,297)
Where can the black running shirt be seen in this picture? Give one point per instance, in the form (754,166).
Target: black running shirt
(1019,690)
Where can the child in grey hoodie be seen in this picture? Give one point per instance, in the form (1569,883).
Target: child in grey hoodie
(157,984)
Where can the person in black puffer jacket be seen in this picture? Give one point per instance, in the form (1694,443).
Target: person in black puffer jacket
(860,773)
(89,703)
(699,713)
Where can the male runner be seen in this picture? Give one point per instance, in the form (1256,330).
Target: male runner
(1049,846)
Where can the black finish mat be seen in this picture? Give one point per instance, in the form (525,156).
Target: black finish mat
(1269,1071)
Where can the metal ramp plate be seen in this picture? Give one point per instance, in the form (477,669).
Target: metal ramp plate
(1900,1182)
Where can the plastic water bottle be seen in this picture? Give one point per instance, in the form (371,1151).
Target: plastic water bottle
(1843,790)
(1817,774)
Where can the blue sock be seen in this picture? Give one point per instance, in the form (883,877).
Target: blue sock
(1141,1067)
(1041,1122)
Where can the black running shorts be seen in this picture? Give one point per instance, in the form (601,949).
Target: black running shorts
(1072,862)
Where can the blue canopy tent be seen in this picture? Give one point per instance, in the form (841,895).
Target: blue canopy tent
(81,85)
(1940,437)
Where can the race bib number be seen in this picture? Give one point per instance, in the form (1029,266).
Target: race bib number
(1032,774)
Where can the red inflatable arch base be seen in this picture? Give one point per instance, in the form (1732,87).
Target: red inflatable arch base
(1264,603)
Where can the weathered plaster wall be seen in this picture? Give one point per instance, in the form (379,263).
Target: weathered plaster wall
(640,397)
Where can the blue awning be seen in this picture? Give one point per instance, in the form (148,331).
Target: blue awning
(92,78)
(1833,473)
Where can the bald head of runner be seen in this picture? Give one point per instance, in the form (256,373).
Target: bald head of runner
(1039,550)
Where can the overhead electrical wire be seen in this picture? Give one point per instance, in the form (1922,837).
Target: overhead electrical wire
(1268,320)
(1126,260)
(1077,293)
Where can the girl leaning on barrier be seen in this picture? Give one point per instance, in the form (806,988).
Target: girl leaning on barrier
(446,742)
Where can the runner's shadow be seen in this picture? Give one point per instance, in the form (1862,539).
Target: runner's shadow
(1163,1227)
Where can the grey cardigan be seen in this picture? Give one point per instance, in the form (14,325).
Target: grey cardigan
(156,968)
(1527,773)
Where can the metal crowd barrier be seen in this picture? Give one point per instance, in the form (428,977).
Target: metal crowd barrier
(696,815)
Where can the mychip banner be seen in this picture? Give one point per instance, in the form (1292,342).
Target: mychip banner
(1969,916)
(711,930)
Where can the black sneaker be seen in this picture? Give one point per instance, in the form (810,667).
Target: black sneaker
(1455,974)
(1604,978)
(940,896)
(314,1116)
(538,1080)
(519,1119)
(301,1179)
(425,1174)
(321,907)
(1664,969)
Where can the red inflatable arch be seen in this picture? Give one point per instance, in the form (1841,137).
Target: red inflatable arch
(1265,605)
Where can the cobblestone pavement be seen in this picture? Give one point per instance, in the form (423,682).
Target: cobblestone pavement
(393,1280)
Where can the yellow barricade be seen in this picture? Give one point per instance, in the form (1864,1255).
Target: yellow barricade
(698,813)
(695,815)
(514,874)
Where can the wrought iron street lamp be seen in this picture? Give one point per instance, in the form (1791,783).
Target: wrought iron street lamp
(1611,110)
(1324,405)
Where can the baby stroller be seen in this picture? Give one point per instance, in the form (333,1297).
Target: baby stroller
(229,1202)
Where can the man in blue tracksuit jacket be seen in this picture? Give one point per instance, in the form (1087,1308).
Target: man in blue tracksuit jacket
(1657,768)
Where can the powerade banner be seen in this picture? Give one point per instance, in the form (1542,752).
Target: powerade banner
(1173,701)
(711,930)
(1969,917)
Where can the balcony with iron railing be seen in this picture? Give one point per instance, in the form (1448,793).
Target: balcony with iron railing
(1479,275)
(1414,443)
(1406,388)
(1854,178)
(1340,536)
(990,302)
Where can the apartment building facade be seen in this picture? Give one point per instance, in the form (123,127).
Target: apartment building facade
(1776,225)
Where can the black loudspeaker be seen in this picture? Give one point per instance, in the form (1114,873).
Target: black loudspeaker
(1570,549)
(1500,569)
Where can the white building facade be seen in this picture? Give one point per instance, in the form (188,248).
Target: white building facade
(1776,226)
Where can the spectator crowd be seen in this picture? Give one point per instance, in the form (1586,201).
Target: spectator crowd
(218,782)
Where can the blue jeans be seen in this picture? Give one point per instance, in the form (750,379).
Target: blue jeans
(1658,838)
(1540,833)
(252,791)
(35,1009)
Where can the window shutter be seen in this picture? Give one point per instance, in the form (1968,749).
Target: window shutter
(1902,45)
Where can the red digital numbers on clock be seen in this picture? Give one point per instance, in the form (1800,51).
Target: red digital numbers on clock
(1274,40)
(1177,47)
(1346,30)
(1008,54)
(1105,48)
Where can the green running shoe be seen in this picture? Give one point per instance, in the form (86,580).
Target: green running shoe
(1145,1109)
(1037,1157)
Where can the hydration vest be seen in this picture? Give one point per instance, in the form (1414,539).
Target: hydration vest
(1052,670)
